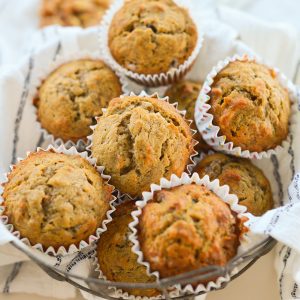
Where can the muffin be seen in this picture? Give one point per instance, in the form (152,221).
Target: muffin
(82,13)
(185,228)
(117,261)
(72,95)
(139,140)
(244,179)
(162,34)
(250,106)
(55,199)
(185,93)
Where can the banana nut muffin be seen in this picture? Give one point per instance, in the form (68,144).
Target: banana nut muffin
(244,179)
(185,228)
(72,95)
(161,33)
(139,140)
(186,93)
(55,199)
(116,259)
(250,106)
(82,13)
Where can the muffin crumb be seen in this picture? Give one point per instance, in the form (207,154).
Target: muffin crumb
(116,259)
(55,199)
(185,228)
(72,95)
(83,13)
(139,140)
(243,178)
(250,106)
(161,33)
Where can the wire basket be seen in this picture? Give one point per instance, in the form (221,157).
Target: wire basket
(100,287)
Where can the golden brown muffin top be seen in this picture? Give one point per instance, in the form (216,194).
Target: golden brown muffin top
(250,106)
(185,93)
(55,199)
(185,228)
(116,259)
(244,179)
(140,140)
(72,95)
(83,13)
(161,33)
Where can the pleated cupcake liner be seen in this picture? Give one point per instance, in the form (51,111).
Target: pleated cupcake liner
(189,167)
(72,248)
(149,80)
(210,132)
(185,179)
(45,70)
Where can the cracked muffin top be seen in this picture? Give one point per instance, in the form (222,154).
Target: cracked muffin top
(185,93)
(161,33)
(83,13)
(139,140)
(116,259)
(250,106)
(72,95)
(244,179)
(185,228)
(55,199)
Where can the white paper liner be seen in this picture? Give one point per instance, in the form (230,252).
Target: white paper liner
(150,80)
(72,248)
(42,74)
(204,120)
(189,167)
(221,191)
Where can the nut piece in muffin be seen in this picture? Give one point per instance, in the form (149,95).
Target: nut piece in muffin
(139,140)
(83,13)
(116,259)
(185,228)
(72,95)
(185,93)
(250,106)
(162,34)
(244,179)
(55,199)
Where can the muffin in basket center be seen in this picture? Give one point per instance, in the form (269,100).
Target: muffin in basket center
(140,140)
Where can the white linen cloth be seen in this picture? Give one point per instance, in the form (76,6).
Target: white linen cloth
(250,30)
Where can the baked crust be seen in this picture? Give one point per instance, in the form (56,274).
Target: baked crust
(83,13)
(139,140)
(185,228)
(72,95)
(250,106)
(244,179)
(55,199)
(161,33)
(116,259)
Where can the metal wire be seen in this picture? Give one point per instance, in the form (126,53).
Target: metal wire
(99,287)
